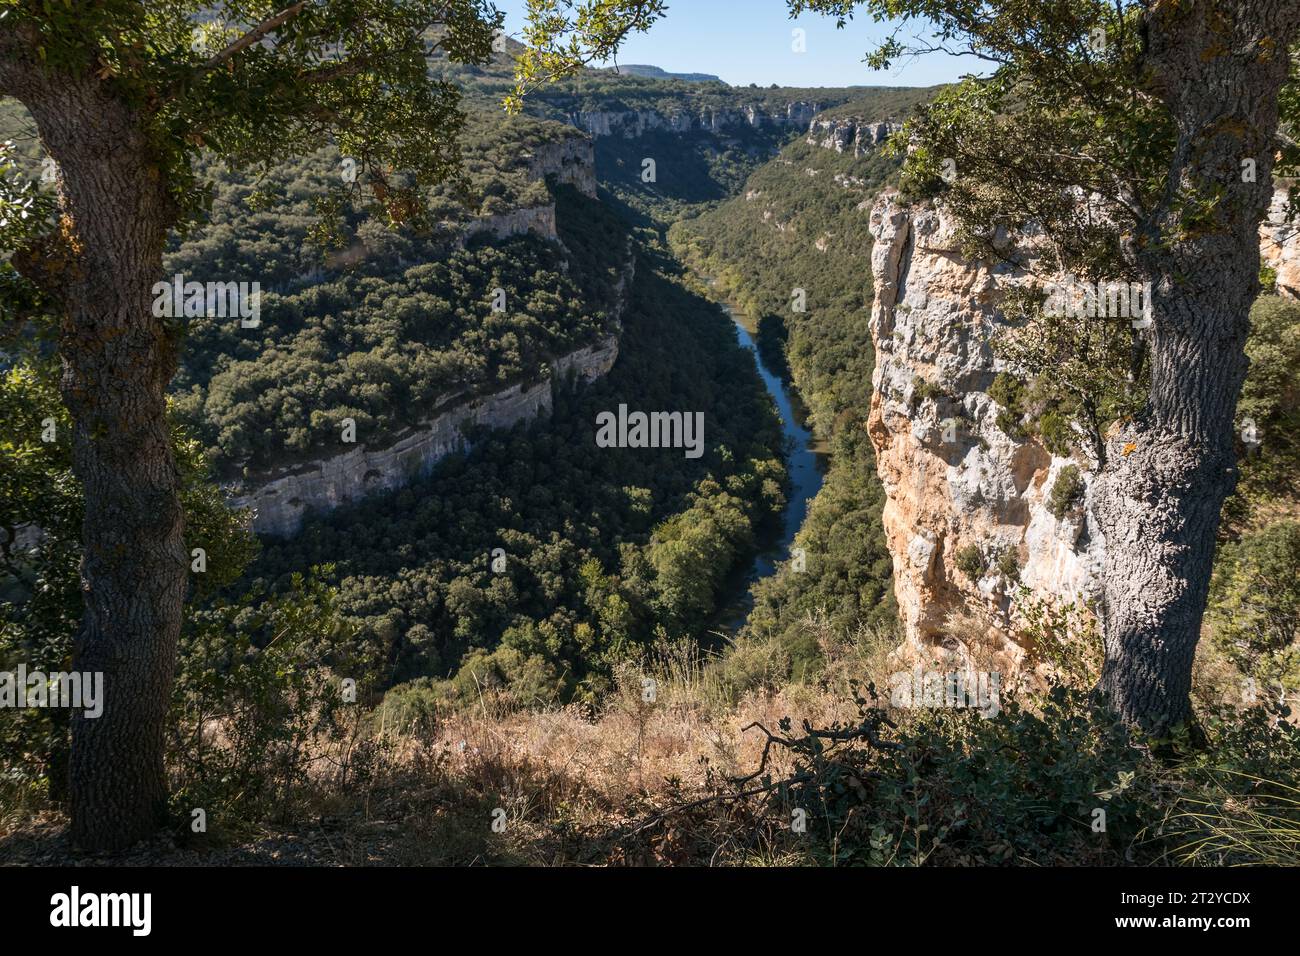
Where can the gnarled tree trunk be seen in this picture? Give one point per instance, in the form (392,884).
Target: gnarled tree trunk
(117,360)
(1219,66)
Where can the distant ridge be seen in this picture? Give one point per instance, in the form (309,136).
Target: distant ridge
(656,73)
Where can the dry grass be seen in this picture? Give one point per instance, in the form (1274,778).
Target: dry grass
(500,783)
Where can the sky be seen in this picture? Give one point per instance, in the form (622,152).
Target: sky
(750,41)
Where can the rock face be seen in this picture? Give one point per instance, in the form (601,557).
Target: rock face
(634,123)
(572,161)
(1280,246)
(850,135)
(280,503)
(536,219)
(956,484)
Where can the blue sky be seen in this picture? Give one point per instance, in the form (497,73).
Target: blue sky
(749,41)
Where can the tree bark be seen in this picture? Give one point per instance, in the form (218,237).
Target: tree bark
(1219,67)
(117,361)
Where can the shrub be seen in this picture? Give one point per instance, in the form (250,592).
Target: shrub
(1007,390)
(1056,433)
(970,561)
(1067,491)
(1255,604)
(926,391)
(1008,564)
(1267,280)
(259,694)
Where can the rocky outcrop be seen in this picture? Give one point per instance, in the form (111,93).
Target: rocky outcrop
(539,220)
(572,160)
(634,123)
(1280,245)
(850,135)
(968,512)
(967,515)
(280,502)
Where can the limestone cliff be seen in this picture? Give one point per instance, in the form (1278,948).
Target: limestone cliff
(539,220)
(1280,246)
(633,123)
(958,487)
(955,482)
(850,134)
(280,501)
(572,160)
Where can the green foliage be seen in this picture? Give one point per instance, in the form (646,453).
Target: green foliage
(927,391)
(563,36)
(1008,564)
(1009,392)
(1078,375)
(970,561)
(348,71)
(387,343)
(1267,280)
(1067,491)
(252,674)
(1255,605)
(1268,412)
(26,213)
(258,696)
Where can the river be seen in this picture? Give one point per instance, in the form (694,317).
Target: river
(806,461)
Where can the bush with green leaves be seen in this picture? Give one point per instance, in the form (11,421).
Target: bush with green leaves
(970,561)
(260,704)
(1067,491)
(1268,412)
(1255,605)
(1007,561)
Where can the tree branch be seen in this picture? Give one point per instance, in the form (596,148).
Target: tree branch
(255,35)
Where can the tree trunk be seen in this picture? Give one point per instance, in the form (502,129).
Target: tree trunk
(1218,66)
(117,360)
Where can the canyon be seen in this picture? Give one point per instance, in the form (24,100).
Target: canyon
(279,501)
